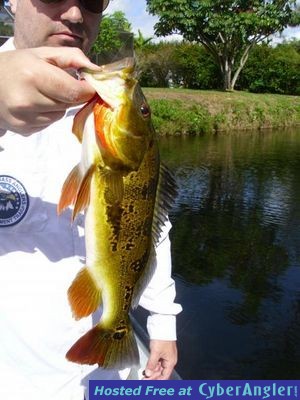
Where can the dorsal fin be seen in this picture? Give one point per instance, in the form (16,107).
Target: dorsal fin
(165,197)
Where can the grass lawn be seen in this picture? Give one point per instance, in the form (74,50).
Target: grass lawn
(185,111)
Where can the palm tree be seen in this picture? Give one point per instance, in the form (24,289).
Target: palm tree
(140,41)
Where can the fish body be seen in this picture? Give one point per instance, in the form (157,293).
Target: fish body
(126,193)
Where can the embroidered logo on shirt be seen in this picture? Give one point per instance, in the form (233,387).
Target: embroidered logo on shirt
(14,201)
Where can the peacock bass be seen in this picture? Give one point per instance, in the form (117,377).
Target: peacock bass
(126,193)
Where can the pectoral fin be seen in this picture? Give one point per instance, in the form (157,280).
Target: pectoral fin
(83,195)
(114,185)
(81,117)
(76,191)
(70,189)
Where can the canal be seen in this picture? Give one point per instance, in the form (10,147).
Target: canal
(236,254)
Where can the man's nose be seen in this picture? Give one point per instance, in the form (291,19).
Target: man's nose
(72,12)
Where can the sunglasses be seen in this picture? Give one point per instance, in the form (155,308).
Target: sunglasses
(94,6)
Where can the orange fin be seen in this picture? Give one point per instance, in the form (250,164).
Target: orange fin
(70,189)
(84,295)
(109,348)
(83,194)
(81,117)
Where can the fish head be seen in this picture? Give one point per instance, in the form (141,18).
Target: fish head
(122,115)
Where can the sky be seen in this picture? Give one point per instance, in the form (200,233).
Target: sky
(137,15)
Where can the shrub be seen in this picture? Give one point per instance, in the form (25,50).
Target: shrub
(268,69)
(272,70)
(196,67)
(188,65)
(173,117)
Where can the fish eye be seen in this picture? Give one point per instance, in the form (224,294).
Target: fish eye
(145,110)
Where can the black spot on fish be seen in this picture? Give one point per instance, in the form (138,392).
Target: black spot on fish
(149,188)
(119,335)
(121,328)
(128,292)
(114,215)
(127,297)
(114,246)
(129,246)
(139,264)
(147,226)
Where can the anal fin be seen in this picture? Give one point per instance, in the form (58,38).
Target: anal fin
(84,295)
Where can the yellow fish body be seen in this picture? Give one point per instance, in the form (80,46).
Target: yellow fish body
(126,193)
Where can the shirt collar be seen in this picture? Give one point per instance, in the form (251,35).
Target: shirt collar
(8,45)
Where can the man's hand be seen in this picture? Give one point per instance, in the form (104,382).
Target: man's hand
(36,89)
(162,360)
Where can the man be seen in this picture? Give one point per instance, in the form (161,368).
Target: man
(41,253)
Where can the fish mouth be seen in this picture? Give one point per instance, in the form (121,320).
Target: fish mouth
(110,82)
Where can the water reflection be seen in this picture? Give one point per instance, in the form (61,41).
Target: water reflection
(236,248)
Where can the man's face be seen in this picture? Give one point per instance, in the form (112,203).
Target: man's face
(65,23)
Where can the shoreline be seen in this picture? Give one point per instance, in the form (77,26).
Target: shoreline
(186,112)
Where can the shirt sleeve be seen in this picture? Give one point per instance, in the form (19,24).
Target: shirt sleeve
(159,295)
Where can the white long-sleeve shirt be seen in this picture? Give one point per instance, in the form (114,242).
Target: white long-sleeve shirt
(40,254)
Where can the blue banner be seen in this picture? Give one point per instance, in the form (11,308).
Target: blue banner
(195,390)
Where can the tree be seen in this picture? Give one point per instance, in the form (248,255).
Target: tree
(153,69)
(112,35)
(196,68)
(273,69)
(140,41)
(228,29)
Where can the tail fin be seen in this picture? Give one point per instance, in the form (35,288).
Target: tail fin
(109,348)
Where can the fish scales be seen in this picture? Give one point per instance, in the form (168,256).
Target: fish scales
(127,194)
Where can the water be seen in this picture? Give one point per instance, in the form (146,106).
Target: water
(236,254)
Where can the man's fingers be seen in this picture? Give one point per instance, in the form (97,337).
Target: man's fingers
(153,374)
(162,371)
(68,57)
(50,77)
(167,369)
(153,365)
(162,359)
(38,89)
(62,87)
(36,123)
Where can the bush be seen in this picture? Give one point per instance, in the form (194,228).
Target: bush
(189,66)
(268,69)
(272,70)
(173,117)
(155,64)
(196,67)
